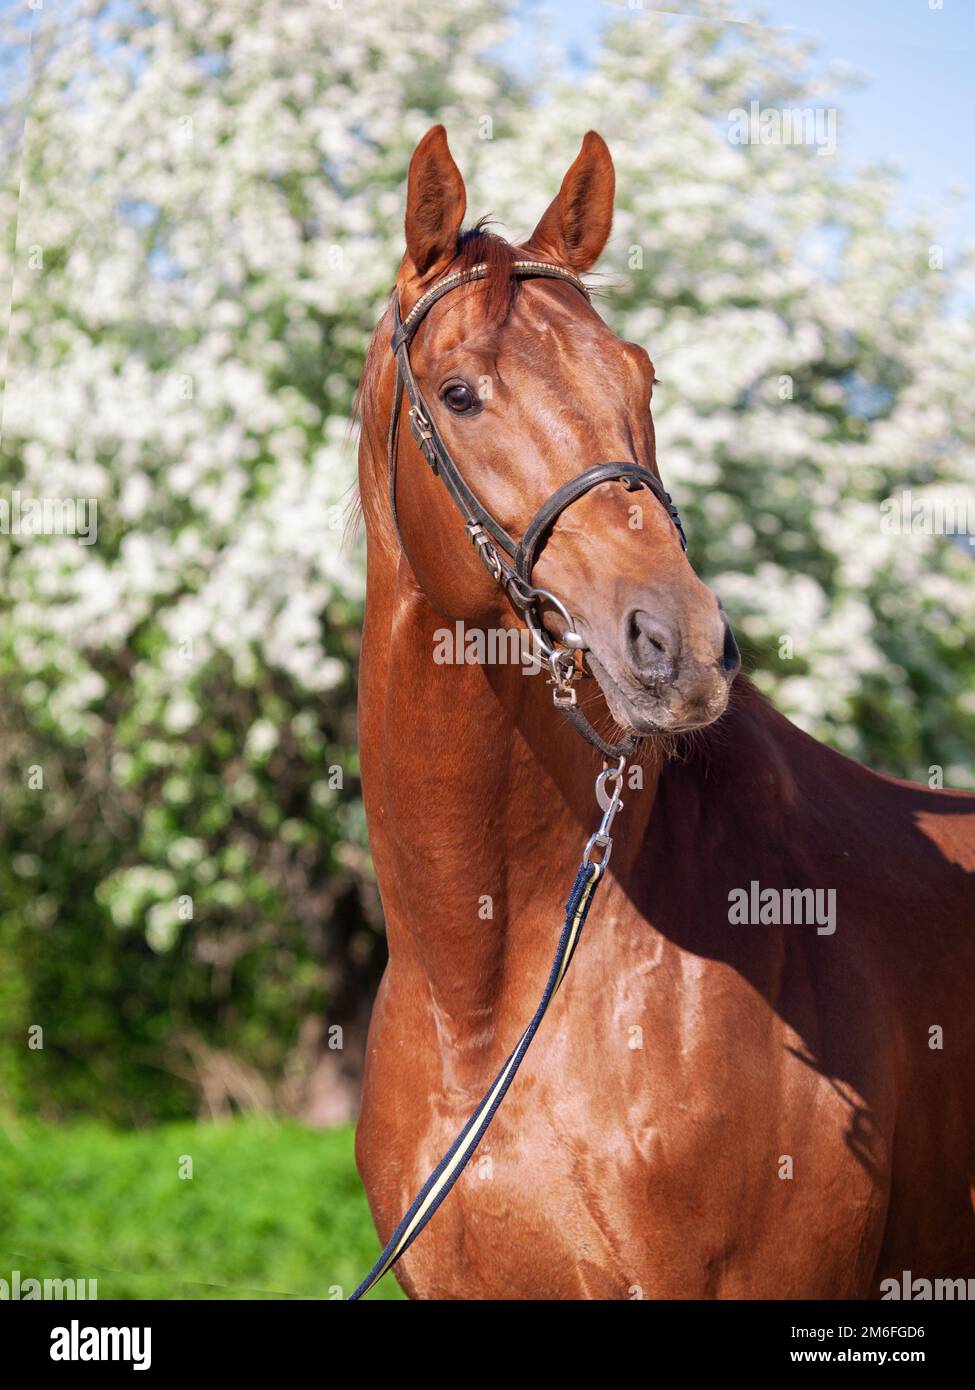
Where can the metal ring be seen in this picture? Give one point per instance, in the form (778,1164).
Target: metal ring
(525,596)
(557,604)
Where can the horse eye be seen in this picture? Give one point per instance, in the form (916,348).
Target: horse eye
(459,397)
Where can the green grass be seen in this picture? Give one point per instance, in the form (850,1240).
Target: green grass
(272,1210)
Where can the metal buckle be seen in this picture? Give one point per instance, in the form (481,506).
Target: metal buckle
(420,426)
(564,697)
(562,665)
(485,548)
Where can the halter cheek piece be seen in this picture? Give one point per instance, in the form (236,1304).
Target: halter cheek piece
(511,562)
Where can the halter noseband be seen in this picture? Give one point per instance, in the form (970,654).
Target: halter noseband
(511,562)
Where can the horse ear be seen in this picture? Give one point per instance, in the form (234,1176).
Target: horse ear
(576,226)
(436,201)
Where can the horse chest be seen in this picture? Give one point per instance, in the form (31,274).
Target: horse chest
(638,1156)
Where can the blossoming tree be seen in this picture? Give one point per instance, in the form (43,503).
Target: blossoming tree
(207,210)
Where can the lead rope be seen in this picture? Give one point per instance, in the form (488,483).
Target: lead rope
(457,1157)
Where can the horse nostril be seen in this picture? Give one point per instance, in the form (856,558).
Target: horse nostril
(650,645)
(643,630)
(731,656)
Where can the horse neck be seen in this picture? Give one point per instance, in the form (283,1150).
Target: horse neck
(480,799)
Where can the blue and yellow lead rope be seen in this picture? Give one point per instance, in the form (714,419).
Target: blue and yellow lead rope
(455,1160)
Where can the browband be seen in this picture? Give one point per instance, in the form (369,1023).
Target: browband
(521,270)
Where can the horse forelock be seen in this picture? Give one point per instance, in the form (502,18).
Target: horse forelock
(476,246)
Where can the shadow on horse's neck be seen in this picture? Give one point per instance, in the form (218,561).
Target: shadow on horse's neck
(499,751)
(489,799)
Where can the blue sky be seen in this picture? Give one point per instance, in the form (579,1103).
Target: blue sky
(917,109)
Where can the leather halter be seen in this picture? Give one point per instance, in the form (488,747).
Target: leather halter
(511,562)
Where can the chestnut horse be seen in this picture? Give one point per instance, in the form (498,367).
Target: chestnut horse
(712,1108)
